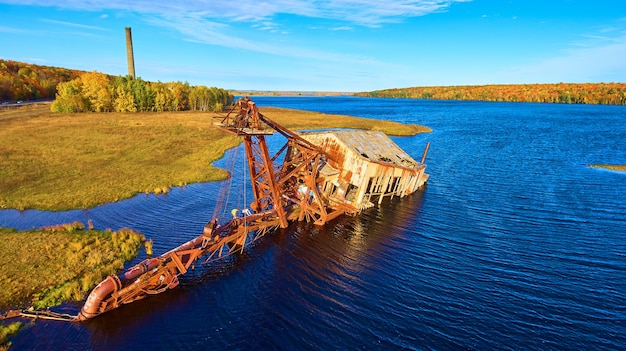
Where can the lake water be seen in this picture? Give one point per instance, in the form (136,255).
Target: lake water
(514,244)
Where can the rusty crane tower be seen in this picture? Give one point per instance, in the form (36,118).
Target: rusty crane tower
(303,181)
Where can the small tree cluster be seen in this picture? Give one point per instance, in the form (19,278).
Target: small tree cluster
(98,92)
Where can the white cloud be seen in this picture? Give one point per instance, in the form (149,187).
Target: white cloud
(342,28)
(361,12)
(70,24)
(4,29)
(266,25)
(592,63)
(22,31)
(201,31)
(237,24)
(209,21)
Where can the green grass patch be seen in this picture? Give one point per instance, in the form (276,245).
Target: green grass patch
(60,263)
(54,161)
(7,331)
(621,168)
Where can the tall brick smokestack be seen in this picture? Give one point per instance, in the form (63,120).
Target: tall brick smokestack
(129,53)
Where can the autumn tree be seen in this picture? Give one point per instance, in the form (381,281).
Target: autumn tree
(96,87)
(124,100)
(69,98)
(180,92)
(163,97)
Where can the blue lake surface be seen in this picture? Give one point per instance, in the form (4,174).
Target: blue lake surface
(515,244)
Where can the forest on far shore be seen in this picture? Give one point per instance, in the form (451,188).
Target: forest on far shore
(564,93)
(81,91)
(24,81)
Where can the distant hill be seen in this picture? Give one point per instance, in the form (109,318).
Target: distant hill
(567,93)
(25,81)
(288,93)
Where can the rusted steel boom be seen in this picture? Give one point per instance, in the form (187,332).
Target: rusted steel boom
(156,275)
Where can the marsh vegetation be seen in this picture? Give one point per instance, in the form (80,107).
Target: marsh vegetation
(44,267)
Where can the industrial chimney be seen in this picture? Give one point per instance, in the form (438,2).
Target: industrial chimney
(129,53)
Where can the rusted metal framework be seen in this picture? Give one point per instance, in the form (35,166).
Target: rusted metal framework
(292,190)
(302,181)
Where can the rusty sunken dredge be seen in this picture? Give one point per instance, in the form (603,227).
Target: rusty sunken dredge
(323,175)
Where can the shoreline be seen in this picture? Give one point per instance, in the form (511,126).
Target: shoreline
(616,168)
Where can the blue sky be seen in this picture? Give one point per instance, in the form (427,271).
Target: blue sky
(325,45)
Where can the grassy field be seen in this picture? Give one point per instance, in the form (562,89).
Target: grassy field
(42,268)
(67,161)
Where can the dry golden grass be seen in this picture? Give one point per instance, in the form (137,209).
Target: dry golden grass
(62,161)
(59,263)
(66,161)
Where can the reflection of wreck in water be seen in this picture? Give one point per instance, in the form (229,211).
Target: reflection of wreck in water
(314,177)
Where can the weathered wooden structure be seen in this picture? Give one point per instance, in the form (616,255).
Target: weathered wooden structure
(366,165)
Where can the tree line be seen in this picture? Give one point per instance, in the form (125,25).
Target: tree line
(81,91)
(567,93)
(24,81)
(98,92)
